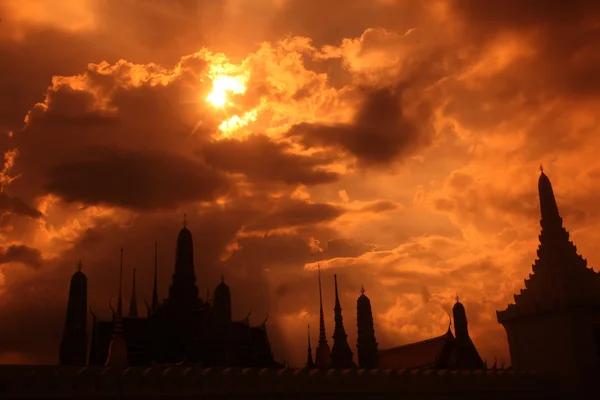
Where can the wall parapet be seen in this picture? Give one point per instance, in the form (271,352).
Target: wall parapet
(48,381)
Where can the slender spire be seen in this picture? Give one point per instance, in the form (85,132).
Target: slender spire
(309,361)
(155,288)
(133,309)
(79,266)
(117,351)
(341,355)
(185,220)
(322,334)
(323,352)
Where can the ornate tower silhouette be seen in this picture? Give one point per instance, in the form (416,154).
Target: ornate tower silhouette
(366,342)
(73,347)
(560,303)
(322,353)
(183,293)
(117,352)
(309,360)
(465,353)
(341,355)
(133,310)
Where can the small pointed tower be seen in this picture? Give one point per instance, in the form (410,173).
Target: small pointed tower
(154,306)
(117,351)
(133,309)
(323,352)
(368,356)
(560,303)
(222,304)
(466,355)
(341,355)
(309,361)
(73,347)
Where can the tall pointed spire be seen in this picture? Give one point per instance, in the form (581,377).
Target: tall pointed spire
(560,274)
(155,287)
(73,345)
(366,344)
(323,352)
(309,361)
(341,355)
(117,352)
(548,206)
(133,309)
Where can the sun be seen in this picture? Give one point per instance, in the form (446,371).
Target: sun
(222,85)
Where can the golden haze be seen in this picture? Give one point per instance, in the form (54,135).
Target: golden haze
(396,143)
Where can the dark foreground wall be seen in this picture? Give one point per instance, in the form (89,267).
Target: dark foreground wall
(49,382)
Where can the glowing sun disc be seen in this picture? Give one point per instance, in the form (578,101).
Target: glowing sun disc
(223,84)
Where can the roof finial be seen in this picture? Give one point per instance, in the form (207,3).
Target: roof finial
(457,297)
(222,277)
(79,265)
(185,220)
(541,169)
(362,289)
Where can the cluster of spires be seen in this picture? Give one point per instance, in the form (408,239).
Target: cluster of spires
(340,355)
(117,353)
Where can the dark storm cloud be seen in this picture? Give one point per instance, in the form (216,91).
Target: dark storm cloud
(379,134)
(16,206)
(22,254)
(131,179)
(296,213)
(261,159)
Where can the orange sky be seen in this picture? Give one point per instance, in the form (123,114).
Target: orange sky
(397,142)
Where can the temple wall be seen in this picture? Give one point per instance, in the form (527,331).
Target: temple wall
(41,382)
(549,340)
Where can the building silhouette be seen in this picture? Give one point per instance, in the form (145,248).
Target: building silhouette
(366,344)
(323,352)
(447,351)
(341,355)
(553,331)
(555,319)
(73,346)
(181,329)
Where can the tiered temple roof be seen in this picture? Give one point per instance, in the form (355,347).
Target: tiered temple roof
(560,277)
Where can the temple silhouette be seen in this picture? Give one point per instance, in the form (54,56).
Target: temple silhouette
(183,329)
(191,346)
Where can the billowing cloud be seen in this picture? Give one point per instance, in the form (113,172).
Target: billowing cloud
(21,254)
(379,133)
(261,159)
(395,143)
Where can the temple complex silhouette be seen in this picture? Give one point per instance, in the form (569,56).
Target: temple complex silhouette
(182,329)
(191,347)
